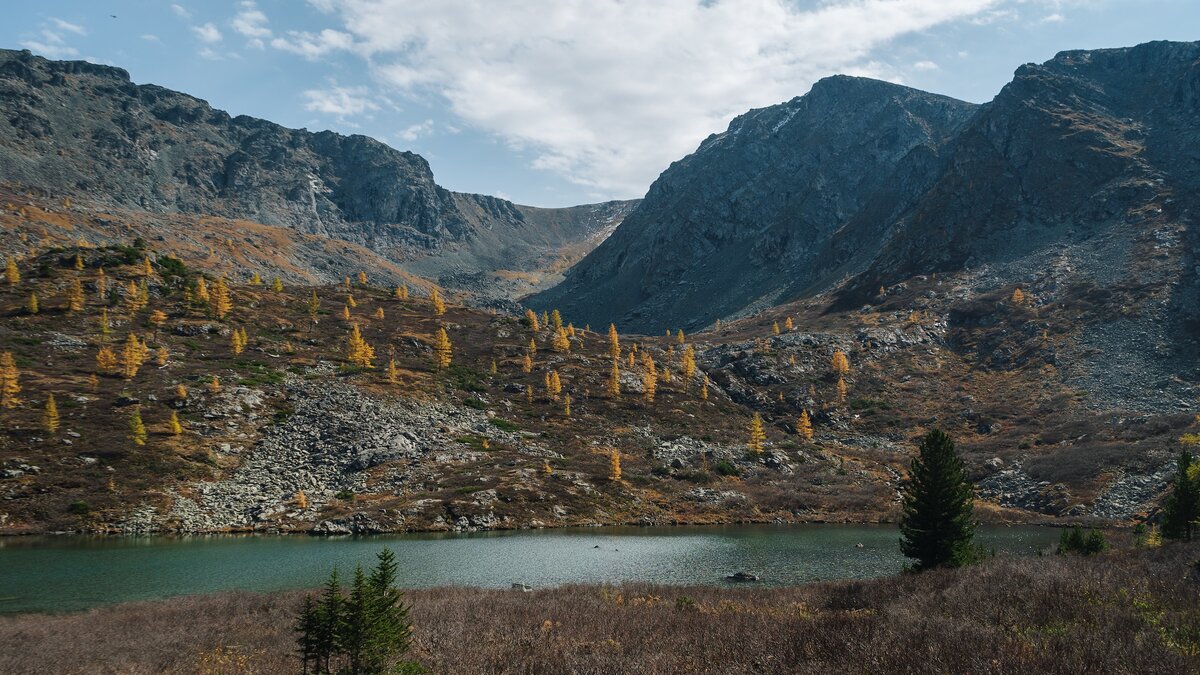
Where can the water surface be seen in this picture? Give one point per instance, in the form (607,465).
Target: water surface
(57,574)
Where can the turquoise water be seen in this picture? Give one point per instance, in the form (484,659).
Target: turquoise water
(55,574)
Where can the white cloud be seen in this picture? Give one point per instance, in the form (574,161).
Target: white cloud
(313,45)
(1052,18)
(251,22)
(609,92)
(925,65)
(49,49)
(69,27)
(340,101)
(415,131)
(207,33)
(181,11)
(151,37)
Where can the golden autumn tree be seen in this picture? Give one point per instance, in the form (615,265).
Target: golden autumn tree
(688,365)
(804,426)
(147,269)
(841,390)
(75,296)
(614,342)
(157,318)
(757,436)
(237,342)
(301,500)
(31,305)
(435,300)
(277,285)
(50,420)
(101,284)
(359,351)
(787,324)
(546,468)
(649,377)
(704,389)
(105,326)
(351,302)
(442,349)
(679,337)
(775,328)
(181,392)
(202,293)
(556,320)
(401,292)
(137,429)
(314,306)
(561,343)
(840,363)
(256,279)
(532,347)
(78,262)
(133,355)
(614,465)
(10,382)
(161,355)
(106,361)
(614,380)
(527,364)
(532,319)
(567,405)
(345,312)
(553,384)
(173,424)
(393,375)
(222,301)
(362,278)
(1018,296)
(378,313)
(214,385)
(143,293)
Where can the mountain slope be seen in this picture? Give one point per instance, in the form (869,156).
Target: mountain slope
(85,131)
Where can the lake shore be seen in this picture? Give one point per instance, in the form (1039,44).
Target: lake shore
(1124,611)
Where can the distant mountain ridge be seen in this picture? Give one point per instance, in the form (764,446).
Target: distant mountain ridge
(862,184)
(85,130)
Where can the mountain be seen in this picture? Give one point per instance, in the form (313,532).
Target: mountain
(85,131)
(1081,172)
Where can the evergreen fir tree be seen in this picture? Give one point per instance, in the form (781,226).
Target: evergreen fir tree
(1182,508)
(936,527)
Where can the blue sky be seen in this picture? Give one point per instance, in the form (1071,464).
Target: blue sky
(557,102)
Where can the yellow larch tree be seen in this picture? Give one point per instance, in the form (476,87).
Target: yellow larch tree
(78,262)
(277,285)
(314,306)
(236,343)
(631,357)
(532,319)
(545,318)
(256,279)
(173,424)
(439,307)
(75,296)
(614,342)
(11,274)
(704,389)
(222,300)
(804,426)
(614,465)
(181,392)
(101,284)
(757,436)
(106,361)
(1018,296)
(214,385)
(137,429)
(10,382)
(401,292)
(546,468)
(649,378)
(840,363)
(787,324)
(301,500)
(157,318)
(614,379)
(688,365)
(161,355)
(345,312)
(775,328)
(527,364)
(147,269)
(362,278)
(132,356)
(351,302)
(50,420)
(841,390)
(561,343)
(31,305)
(532,350)
(358,350)
(105,326)
(143,293)
(567,405)
(378,313)
(443,351)
(553,384)
(556,320)
(202,290)
(393,375)
(493,369)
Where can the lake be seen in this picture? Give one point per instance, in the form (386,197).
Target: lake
(65,573)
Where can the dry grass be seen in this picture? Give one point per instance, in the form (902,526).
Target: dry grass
(1128,611)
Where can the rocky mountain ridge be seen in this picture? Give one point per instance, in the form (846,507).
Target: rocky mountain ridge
(85,131)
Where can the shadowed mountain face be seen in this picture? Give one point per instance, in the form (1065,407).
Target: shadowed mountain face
(83,130)
(1086,165)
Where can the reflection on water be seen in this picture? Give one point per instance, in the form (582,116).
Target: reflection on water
(68,573)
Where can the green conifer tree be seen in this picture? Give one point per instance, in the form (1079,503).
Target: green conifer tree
(936,527)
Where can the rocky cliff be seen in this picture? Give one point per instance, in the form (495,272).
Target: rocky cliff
(86,131)
(1083,170)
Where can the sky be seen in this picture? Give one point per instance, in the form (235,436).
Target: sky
(560,102)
